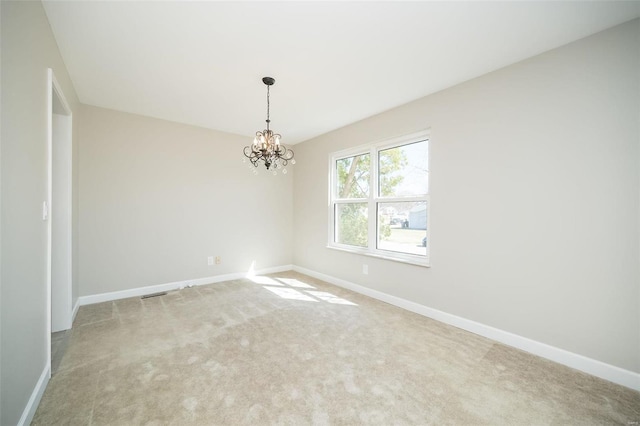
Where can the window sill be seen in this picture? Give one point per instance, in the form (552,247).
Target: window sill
(418,262)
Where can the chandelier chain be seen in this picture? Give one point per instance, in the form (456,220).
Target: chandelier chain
(268,105)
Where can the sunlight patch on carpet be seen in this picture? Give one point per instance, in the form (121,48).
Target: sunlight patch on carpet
(258,279)
(290,293)
(294,283)
(328,297)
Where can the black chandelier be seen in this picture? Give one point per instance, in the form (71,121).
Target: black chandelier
(266,146)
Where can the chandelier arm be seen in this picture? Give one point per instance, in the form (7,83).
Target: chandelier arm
(252,155)
(287,154)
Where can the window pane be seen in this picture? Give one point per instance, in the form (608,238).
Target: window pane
(352,224)
(353,176)
(403,170)
(402,227)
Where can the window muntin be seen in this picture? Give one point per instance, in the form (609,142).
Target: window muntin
(379,202)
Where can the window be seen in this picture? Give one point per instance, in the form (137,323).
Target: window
(380,200)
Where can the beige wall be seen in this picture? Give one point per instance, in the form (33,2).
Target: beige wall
(157,198)
(28,49)
(535,199)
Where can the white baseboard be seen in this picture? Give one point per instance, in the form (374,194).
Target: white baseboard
(141,291)
(579,362)
(76,306)
(34,400)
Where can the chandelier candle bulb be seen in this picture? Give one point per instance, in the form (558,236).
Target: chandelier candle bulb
(266,147)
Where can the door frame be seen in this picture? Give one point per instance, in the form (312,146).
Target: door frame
(58,109)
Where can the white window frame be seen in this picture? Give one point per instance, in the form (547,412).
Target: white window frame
(373,149)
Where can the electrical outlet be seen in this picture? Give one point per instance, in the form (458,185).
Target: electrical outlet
(365,269)
(210,260)
(218,260)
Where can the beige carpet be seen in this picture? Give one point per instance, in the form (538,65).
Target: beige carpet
(293,350)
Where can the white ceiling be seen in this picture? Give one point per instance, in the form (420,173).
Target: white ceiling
(201,63)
